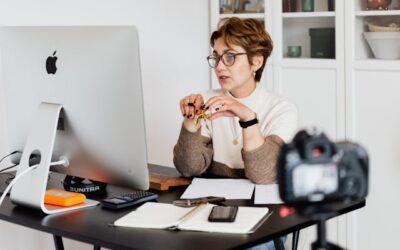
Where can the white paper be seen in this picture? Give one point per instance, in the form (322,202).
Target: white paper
(154,215)
(166,216)
(267,194)
(228,188)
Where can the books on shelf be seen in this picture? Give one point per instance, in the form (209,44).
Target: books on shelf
(289,5)
(167,216)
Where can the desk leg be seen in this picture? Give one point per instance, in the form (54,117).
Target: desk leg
(295,240)
(278,244)
(58,242)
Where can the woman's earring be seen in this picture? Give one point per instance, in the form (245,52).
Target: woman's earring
(254,74)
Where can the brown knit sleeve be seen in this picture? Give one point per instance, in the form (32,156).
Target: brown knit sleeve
(260,163)
(192,153)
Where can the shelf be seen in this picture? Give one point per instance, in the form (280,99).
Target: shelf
(308,14)
(315,63)
(377,64)
(377,12)
(244,15)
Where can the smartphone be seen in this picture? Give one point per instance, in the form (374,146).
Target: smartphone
(223,214)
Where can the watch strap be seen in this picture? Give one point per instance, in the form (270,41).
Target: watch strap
(245,124)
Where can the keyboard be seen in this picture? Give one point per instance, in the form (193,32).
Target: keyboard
(130,199)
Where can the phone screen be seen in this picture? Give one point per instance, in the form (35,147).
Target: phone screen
(223,214)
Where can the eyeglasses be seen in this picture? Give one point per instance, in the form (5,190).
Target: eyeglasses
(228,58)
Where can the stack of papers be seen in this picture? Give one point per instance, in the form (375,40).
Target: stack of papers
(233,189)
(267,194)
(228,188)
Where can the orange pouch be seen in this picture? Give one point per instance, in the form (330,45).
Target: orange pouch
(63,198)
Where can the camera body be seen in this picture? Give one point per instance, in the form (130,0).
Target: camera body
(312,169)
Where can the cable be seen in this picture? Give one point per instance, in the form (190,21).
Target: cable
(15,180)
(7,168)
(12,153)
(63,161)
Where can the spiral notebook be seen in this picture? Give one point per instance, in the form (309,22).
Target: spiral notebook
(167,216)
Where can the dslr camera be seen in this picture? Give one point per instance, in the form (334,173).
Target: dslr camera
(313,170)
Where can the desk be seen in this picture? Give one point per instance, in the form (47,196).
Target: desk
(90,225)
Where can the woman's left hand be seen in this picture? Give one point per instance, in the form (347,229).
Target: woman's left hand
(227,106)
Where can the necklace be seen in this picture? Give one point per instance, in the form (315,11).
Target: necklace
(235,120)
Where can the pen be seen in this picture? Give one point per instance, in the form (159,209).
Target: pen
(198,201)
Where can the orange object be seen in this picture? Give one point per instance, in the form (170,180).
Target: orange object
(63,198)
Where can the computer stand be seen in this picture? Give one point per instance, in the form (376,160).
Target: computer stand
(30,189)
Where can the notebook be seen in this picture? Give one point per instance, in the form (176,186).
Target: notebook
(167,216)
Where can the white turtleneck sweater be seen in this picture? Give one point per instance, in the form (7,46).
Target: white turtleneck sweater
(212,150)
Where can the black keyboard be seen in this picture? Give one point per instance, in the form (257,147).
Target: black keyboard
(129,199)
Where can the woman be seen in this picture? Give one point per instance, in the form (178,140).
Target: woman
(220,145)
(247,125)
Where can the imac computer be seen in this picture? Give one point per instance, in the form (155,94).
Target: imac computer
(73,93)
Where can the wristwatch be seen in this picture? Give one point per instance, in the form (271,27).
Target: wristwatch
(248,123)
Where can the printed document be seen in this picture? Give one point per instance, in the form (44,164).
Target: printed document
(229,188)
(267,194)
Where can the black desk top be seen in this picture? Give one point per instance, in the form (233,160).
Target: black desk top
(90,225)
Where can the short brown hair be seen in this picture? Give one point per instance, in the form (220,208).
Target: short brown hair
(248,34)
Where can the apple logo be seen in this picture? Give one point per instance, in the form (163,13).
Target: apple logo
(51,64)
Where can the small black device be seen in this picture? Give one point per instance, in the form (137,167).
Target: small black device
(84,186)
(223,214)
(127,200)
(312,169)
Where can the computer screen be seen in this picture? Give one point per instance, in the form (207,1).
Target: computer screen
(94,73)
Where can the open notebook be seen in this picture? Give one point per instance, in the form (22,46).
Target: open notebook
(167,216)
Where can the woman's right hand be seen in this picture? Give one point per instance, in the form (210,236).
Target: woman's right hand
(190,107)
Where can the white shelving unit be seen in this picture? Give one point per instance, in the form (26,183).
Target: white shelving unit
(243,15)
(308,14)
(368,79)
(364,13)
(361,5)
(353,96)
(361,54)
(324,75)
(295,31)
(308,63)
(295,27)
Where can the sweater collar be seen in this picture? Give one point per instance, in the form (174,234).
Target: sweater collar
(248,98)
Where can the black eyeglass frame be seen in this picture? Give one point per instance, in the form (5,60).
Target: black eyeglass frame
(219,58)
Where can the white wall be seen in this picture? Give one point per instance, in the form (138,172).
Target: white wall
(173,41)
(174,44)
